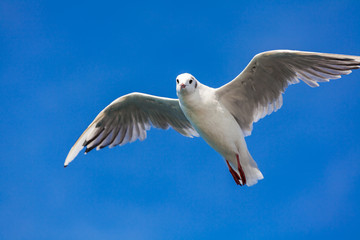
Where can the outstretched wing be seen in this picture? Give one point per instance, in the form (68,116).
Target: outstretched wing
(128,118)
(257,91)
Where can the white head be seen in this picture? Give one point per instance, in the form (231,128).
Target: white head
(185,84)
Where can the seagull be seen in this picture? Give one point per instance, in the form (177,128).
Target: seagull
(222,116)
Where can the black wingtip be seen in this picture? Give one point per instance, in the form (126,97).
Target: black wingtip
(89,149)
(65,166)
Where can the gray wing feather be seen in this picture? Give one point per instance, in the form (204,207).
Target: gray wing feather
(128,118)
(257,91)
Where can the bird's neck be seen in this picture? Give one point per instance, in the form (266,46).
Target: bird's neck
(198,98)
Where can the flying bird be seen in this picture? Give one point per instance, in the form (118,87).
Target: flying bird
(222,116)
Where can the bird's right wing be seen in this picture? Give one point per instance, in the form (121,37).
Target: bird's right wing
(257,91)
(128,118)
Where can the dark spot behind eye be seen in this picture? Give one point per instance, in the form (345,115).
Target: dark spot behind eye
(177,80)
(191,81)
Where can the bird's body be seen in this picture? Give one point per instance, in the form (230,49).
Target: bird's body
(222,116)
(218,127)
(212,121)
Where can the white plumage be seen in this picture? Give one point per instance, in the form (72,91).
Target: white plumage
(222,116)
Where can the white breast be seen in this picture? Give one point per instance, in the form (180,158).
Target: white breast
(212,121)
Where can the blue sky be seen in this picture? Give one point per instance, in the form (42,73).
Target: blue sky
(61,62)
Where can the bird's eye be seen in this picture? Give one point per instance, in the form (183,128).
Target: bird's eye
(190,81)
(177,80)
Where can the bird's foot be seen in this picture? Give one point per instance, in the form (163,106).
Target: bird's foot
(234,174)
(241,171)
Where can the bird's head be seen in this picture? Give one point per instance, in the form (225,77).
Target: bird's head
(186,84)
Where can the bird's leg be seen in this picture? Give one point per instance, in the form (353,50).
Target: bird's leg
(241,171)
(234,174)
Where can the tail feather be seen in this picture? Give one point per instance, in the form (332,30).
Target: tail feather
(252,171)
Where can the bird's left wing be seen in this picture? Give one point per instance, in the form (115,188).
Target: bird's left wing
(257,91)
(128,118)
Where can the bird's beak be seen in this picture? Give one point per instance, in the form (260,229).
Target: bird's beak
(182,86)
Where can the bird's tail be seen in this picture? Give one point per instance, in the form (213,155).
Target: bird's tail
(251,170)
(246,168)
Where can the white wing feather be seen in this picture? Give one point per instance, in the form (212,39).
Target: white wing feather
(257,91)
(127,119)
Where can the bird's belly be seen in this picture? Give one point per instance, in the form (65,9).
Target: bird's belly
(218,128)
